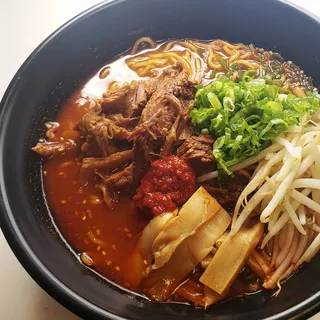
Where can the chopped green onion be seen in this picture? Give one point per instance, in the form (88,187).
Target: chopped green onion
(243,117)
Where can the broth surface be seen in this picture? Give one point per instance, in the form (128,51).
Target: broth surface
(109,236)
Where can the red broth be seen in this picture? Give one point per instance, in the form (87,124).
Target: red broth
(106,236)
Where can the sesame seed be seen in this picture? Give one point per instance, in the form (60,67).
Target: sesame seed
(45,172)
(60,174)
(41,140)
(66,164)
(63,201)
(84,201)
(96,201)
(114,247)
(104,253)
(98,232)
(117,268)
(126,230)
(60,149)
(145,262)
(129,235)
(61,138)
(109,263)
(86,259)
(98,248)
(84,217)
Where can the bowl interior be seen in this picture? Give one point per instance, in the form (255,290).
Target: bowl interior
(57,68)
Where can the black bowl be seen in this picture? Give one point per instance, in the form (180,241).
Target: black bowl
(57,68)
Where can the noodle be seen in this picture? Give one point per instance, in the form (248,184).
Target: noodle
(104,72)
(245,55)
(197,73)
(190,46)
(155,62)
(217,54)
(248,64)
(212,61)
(235,56)
(169,45)
(140,41)
(146,69)
(159,60)
(232,46)
(185,64)
(227,50)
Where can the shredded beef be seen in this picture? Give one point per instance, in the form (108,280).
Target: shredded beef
(104,167)
(227,190)
(163,118)
(113,100)
(100,134)
(129,99)
(132,126)
(114,161)
(197,148)
(50,149)
(186,133)
(120,180)
(160,105)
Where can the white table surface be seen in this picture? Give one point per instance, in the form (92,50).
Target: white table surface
(23,25)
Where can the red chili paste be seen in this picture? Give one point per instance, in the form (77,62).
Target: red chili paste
(169,183)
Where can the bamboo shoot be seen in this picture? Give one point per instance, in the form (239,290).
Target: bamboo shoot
(163,281)
(230,258)
(192,216)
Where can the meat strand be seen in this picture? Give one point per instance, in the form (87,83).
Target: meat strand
(48,150)
(163,118)
(114,161)
(100,133)
(197,148)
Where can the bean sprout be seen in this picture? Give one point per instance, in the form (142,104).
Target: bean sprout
(286,188)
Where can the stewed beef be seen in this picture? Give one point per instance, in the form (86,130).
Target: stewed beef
(131,126)
(112,162)
(197,148)
(163,118)
(50,149)
(129,100)
(150,114)
(100,135)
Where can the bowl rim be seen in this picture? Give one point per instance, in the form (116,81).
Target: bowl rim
(24,253)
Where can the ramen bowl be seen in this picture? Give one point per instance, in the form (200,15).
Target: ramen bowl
(56,69)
